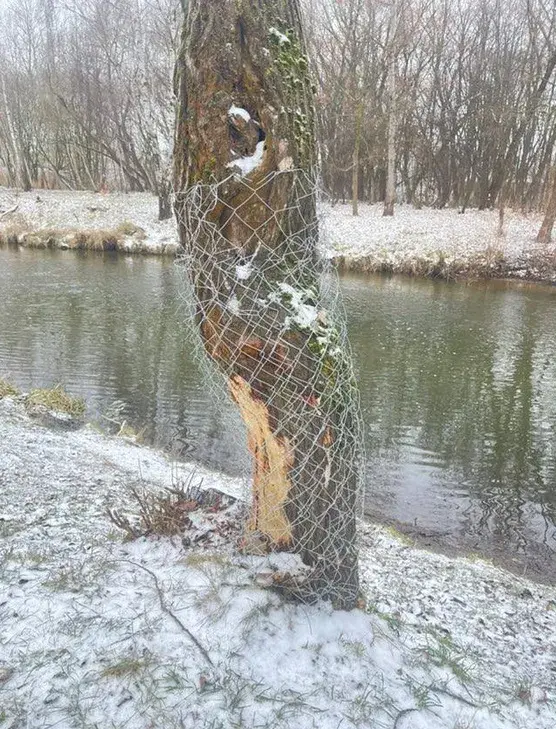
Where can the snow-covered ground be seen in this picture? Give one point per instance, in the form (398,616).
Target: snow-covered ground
(416,241)
(68,212)
(426,242)
(96,632)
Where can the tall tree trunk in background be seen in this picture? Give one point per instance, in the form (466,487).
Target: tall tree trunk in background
(250,234)
(390,198)
(21,173)
(545,233)
(164,193)
(356,152)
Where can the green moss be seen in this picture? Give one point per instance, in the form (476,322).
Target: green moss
(292,66)
(207,174)
(56,399)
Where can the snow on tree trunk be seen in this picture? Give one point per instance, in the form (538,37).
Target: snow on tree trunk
(245,159)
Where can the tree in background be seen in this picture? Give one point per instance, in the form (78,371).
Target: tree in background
(86,97)
(545,233)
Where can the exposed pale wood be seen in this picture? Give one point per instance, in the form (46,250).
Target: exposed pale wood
(273,458)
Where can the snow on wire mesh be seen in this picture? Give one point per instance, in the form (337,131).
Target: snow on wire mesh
(268,310)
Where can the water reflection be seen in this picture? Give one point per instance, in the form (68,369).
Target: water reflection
(459,392)
(458,384)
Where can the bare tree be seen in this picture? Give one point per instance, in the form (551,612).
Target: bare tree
(86,97)
(545,233)
(390,196)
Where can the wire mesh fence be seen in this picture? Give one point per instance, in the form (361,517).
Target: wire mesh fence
(272,335)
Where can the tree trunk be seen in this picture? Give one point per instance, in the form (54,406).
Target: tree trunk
(21,175)
(164,200)
(545,233)
(501,168)
(356,151)
(390,197)
(245,160)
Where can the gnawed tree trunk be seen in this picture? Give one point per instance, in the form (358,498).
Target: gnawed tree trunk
(245,161)
(545,233)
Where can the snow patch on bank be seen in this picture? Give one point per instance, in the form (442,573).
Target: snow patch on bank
(95,631)
(401,242)
(430,235)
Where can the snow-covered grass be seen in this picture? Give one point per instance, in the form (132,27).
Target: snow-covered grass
(88,220)
(425,242)
(441,243)
(168,632)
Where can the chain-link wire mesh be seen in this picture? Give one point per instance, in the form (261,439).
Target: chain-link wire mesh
(270,319)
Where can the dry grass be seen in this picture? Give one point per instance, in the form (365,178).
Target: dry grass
(127,238)
(536,265)
(13,229)
(126,667)
(17,230)
(7,389)
(127,228)
(56,399)
(165,514)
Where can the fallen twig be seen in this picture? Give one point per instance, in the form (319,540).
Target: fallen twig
(9,212)
(400,716)
(457,697)
(168,612)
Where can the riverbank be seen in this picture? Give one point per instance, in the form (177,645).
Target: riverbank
(156,632)
(433,243)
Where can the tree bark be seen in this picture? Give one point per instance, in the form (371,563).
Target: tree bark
(21,175)
(245,94)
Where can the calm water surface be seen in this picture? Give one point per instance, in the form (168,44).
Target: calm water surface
(458,386)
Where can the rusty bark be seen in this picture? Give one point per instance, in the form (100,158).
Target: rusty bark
(244,89)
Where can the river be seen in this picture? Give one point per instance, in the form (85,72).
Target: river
(458,387)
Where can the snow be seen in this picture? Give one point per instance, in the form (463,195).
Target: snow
(244,271)
(233,305)
(405,242)
(304,315)
(100,632)
(247,164)
(65,212)
(238,111)
(282,39)
(413,235)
